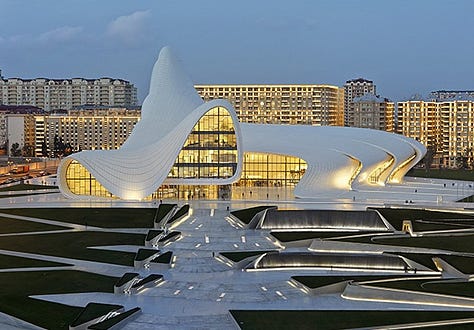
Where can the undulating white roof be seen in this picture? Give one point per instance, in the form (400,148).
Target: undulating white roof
(338,158)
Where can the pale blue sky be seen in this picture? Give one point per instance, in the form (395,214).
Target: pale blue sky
(405,46)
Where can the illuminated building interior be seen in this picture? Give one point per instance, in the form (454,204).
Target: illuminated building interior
(210,150)
(259,170)
(81,182)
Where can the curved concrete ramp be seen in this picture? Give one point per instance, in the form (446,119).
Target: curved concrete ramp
(330,261)
(322,219)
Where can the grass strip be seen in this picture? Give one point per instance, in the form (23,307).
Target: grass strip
(10,226)
(15,301)
(330,319)
(75,245)
(442,174)
(313,282)
(25,186)
(7,261)
(288,236)
(396,217)
(246,215)
(98,217)
(464,289)
(457,243)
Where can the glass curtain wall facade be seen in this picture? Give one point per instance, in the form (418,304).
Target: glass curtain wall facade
(259,170)
(81,182)
(271,170)
(210,150)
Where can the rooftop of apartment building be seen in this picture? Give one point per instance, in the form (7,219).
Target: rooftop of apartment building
(21,109)
(369,97)
(359,80)
(59,80)
(461,96)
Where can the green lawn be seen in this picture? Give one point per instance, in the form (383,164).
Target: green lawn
(464,264)
(14,298)
(24,186)
(443,174)
(8,226)
(461,243)
(246,215)
(464,289)
(313,282)
(20,262)
(23,195)
(330,319)
(75,245)
(396,217)
(288,236)
(98,217)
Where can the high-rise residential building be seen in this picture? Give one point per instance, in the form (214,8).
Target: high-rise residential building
(371,111)
(444,126)
(419,118)
(281,104)
(52,94)
(352,89)
(451,94)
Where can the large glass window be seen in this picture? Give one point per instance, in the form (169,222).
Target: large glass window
(271,170)
(210,150)
(81,182)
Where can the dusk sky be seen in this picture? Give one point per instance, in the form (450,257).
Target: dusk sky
(405,47)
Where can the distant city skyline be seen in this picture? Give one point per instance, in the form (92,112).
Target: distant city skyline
(405,47)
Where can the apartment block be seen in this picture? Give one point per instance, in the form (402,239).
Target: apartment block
(281,104)
(450,94)
(91,129)
(371,111)
(53,94)
(444,126)
(352,89)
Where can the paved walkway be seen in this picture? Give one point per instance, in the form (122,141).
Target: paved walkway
(199,289)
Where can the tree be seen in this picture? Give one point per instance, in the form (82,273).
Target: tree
(428,159)
(15,150)
(27,151)
(44,149)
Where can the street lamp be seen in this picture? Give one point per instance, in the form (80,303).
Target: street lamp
(10,163)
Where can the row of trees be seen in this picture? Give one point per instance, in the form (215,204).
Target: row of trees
(463,160)
(59,149)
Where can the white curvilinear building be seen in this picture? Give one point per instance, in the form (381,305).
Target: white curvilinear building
(182,142)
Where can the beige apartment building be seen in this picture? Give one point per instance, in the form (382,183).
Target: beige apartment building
(371,111)
(352,89)
(53,94)
(281,104)
(445,127)
(88,129)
